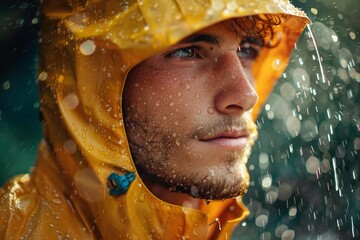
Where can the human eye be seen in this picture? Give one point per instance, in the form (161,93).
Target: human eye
(184,53)
(249,49)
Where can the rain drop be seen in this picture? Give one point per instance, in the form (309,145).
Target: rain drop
(43,76)
(71,101)
(217,5)
(35,21)
(6,85)
(312,165)
(314,11)
(334,38)
(123,68)
(292,212)
(88,47)
(266,182)
(56,200)
(352,35)
(288,235)
(276,64)
(231,6)
(141,197)
(261,220)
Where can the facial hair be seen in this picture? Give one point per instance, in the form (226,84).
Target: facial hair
(151,148)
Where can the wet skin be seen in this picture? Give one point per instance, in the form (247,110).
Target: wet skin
(187,113)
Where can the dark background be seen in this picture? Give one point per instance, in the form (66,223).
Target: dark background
(305,166)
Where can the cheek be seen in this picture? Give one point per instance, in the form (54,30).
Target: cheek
(169,99)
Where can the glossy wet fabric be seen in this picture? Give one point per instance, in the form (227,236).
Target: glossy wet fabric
(87,49)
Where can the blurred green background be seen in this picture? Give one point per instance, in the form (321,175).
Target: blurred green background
(305,166)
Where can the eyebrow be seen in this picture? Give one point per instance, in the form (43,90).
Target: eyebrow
(207,38)
(254,40)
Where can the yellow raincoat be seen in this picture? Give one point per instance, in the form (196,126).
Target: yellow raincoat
(87,48)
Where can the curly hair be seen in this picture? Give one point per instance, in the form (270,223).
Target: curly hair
(259,26)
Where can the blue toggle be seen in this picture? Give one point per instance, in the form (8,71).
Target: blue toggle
(119,184)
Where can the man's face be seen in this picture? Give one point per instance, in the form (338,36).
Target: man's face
(187,117)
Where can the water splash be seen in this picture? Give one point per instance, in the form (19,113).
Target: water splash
(312,37)
(336,178)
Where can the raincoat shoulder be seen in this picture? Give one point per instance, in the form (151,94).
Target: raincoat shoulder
(32,206)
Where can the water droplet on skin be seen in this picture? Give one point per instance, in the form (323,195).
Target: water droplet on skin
(210,110)
(178,142)
(158,103)
(188,85)
(171,104)
(87,48)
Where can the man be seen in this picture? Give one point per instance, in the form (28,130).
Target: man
(163,154)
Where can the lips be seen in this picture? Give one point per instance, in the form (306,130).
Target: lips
(237,139)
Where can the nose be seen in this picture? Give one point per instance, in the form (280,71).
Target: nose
(235,92)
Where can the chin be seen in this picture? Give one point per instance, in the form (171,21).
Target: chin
(212,186)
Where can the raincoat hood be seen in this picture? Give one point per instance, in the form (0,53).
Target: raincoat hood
(87,48)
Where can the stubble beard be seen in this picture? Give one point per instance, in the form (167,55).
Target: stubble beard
(151,149)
